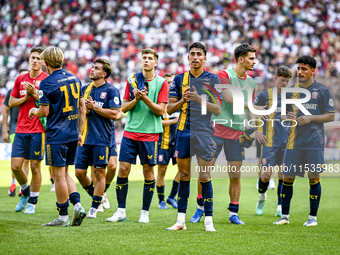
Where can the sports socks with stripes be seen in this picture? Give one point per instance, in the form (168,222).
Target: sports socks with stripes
(90,189)
(207,194)
(174,189)
(183,195)
(279,191)
(314,198)
(160,193)
(149,189)
(121,191)
(263,186)
(287,194)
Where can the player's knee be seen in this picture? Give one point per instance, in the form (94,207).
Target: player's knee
(314,180)
(184,175)
(16,167)
(80,174)
(288,180)
(111,168)
(265,179)
(123,171)
(161,170)
(235,180)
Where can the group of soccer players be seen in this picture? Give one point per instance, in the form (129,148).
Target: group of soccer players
(168,118)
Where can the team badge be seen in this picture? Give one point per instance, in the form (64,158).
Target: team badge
(160,158)
(205,87)
(40,93)
(176,154)
(315,95)
(116,100)
(331,102)
(264,161)
(103,95)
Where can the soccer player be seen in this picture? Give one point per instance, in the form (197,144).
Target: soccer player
(61,100)
(226,135)
(145,99)
(102,102)
(194,131)
(166,151)
(8,133)
(273,136)
(29,141)
(305,144)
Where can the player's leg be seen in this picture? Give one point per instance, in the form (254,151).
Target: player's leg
(174,189)
(127,156)
(51,179)
(35,186)
(26,168)
(84,159)
(110,174)
(279,192)
(160,185)
(13,186)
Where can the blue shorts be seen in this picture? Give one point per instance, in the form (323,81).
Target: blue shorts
(61,155)
(232,149)
(113,150)
(189,144)
(88,155)
(147,151)
(29,146)
(272,156)
(164,155)
(297,162)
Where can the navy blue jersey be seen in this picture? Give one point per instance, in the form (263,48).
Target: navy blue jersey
(62,92)
(311,136)
(275,132)
(191,116)
(98,130)
(168,137)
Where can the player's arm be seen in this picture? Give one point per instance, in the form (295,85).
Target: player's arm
(81,119)
(31,90)
(42,111)
(13,102)
(157,109)
(169,122)
(5,128)
(323,118)
(109,113)
(214,109)
(120,114)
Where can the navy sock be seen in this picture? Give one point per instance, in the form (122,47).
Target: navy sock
(89,189)
(149,189)
(207,194)
(63,208)
(314,198)
(74,198)
(121,191)
(26,192)
(106,187)
(160,192)
(279,191)
(96,201)
(33,200)
(183,196)
(233,207)
(174,189)
(199,200)
(263,186)
(52,181)
(287,193)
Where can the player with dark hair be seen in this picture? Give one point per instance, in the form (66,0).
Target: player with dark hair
(166,151)
(102,102)
(8,132)
(145,99)
(61,100)
(273,137)
(194,131)
(29,141)
(306,140)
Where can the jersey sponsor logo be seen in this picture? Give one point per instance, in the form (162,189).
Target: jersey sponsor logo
(101,157)
(37,84)
(36,153)
(264,161)
(331,102)
(176,154)
(23,92)
(103,95)
(315,95)
(310,106)
(40,93)
(160,158)
(116,100)
(173,85)
(150,156)
(99,104)
(67,79)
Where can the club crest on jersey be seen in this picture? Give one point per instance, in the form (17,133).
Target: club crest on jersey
(160,158)
(176,154)
(116,100)
(264,161)
(205,87)
(315,95)
(103,95)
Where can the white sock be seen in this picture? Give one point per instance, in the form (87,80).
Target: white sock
(208,220)
(13,181)
(32,205)
(232,213)
(63,217)
(34,194)
(263,196)
(312,217)
(181,217)
(285,216)
(77,206)
(24,186)
(147,212)
(200,207)
(279,207)
(121,210)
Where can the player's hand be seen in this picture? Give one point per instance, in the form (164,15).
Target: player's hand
(138,94)
(32,112)
(291,116)
(5,136)
(186,95)
(194,96)
(144,93)
(80,140)
(175,120)
(89,103)
(302,120)
(30,88)
(261,138)
(261,108)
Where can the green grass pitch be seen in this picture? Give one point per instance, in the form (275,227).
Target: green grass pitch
(23,234)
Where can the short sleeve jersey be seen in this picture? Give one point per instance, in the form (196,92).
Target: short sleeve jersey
(26,125)
(14,112)
(273,129)
(61,91)
(311,136)
(191,117)
(98,130)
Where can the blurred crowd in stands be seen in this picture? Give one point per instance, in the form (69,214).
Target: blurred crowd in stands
(280,30)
